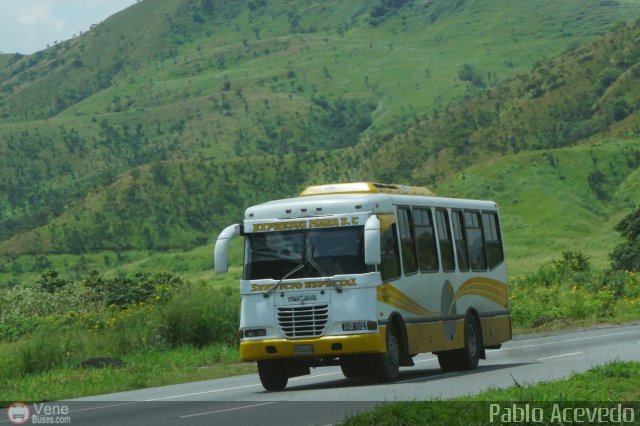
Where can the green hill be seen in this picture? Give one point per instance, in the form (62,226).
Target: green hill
(157,127)
(5,60)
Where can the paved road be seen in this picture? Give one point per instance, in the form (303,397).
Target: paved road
(325,396)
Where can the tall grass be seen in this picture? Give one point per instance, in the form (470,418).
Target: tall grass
(144,369)
(201,316)
(170,316)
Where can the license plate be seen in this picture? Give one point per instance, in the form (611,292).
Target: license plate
(303,349)
(303,298)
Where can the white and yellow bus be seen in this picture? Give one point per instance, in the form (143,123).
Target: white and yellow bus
(366,276)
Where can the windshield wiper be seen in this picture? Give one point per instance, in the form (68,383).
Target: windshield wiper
(287,275)
(308,257)
(313,263)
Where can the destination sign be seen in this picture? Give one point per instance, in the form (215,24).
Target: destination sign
(312,223)
(349,282)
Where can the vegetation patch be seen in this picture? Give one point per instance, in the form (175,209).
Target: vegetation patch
(612,383)
(85,320)
(143,369)
(567,291)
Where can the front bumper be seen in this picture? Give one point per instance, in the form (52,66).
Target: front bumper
(253,350)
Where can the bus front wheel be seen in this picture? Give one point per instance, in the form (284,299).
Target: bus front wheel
(354,367)
(273,374)
(388,363)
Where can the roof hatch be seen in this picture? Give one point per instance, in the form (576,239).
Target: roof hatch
(364,188)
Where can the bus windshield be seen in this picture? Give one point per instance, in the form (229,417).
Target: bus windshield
(275,254)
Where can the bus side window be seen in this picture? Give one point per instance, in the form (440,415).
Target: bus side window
(475,241)
(426,241)
(390,262)
(461,241)
(493,239)
(407,241)
(444,239)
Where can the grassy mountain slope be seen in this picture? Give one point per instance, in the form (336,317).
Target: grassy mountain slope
(332,45)
(157,127)
(574,98)
(5,60)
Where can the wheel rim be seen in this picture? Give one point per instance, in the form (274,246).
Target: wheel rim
(472,344)
(393,352)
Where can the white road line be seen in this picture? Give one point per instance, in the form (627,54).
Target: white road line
(559,356)
(234,388)
(200,393)
(228,409)
(422,378)
(425,360)
(102,406)
(572,340)
(315,375)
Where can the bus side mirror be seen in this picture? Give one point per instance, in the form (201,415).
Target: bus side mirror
(222,247)
(372,254)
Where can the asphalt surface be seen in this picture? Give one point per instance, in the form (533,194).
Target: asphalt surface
(326,397)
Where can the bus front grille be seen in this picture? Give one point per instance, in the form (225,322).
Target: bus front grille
(303,321)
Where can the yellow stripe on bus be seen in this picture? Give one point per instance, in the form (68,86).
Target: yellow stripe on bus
(487,288)
(390,295)
(491,289)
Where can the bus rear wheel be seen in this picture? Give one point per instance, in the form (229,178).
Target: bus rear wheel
(273,374)
(468,357)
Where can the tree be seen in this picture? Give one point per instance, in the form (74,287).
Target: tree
(466,72)
(626,255)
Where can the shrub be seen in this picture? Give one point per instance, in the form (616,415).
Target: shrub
(574,261)
(53,302)
(567,289)
(49,349)
(124,291)
(201,316)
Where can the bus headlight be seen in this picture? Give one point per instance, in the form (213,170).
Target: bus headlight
(359,325)
(255,332)
(354,326)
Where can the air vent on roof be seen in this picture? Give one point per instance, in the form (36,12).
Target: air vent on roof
(365,188)
(384,186)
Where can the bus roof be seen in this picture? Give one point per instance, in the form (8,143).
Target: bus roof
(364,188)
(355,202)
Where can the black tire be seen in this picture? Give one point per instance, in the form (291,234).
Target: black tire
(354,367)
(468,357)
(273,374)
(387,365)
(449,360)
